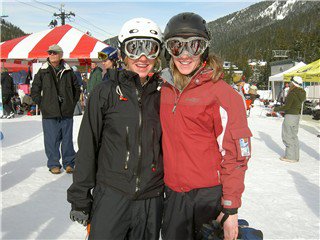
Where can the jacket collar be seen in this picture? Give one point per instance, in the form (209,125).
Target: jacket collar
(65,66)
(132,79)
(202,75)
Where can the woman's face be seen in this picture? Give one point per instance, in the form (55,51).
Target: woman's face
(143,66)
(186,64)
(107,64)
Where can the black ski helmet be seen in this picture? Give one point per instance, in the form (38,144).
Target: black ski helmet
(185,23)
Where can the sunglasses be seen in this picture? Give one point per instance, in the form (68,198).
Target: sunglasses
(194,46)
(52,53)
(137,47)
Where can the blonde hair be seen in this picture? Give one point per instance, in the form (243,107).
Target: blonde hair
(213,62)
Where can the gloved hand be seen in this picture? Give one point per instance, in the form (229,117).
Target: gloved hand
(79,216)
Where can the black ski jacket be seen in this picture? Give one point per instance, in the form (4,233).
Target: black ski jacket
(119,141)
(7,86)
(55,93)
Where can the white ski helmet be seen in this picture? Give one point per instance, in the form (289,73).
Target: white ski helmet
(140,27)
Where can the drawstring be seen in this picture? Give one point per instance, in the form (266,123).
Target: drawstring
(119,92)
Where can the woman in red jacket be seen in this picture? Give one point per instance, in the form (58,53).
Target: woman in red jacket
(206,139)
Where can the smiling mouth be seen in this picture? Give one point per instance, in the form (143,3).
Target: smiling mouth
(184,62)
(142,65)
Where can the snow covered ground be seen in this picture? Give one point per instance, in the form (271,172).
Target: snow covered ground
(281,199)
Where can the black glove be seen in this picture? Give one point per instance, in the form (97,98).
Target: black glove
(79,216)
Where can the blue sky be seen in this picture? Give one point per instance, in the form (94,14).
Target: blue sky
(105,18)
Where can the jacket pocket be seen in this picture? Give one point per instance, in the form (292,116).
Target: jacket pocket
(126,162)
(242,141)
(156,165)
(97,195)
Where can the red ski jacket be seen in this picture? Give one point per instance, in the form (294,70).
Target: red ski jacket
(206,139)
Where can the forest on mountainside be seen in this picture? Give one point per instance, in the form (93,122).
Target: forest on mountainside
(252,34)
(9,31)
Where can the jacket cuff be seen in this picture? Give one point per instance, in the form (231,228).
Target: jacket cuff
(82,209)
(230,211)
(230,202)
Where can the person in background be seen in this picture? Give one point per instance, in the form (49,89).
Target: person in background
(238,85)
(284,93)
(78,75)
(109,58)
(78,108)
(206,139)
(253,92)
(119,141)
(56,90)
(84,96)
(290,126)
(7,92)
(95,77)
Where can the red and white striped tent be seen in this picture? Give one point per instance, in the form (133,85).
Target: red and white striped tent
(77,46)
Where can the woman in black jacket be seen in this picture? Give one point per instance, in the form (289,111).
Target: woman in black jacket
(119,142)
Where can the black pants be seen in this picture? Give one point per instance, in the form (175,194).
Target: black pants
(185,213)
(114,216)
(7,104)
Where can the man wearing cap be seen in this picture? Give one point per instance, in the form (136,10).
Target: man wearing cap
(56,91)
(290,126)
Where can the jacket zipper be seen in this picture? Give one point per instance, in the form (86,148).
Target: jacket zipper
(154,161)
(219,178)
(179,95)
(57,88)
(128,149)
(180,92)
(176,99)
(140,143)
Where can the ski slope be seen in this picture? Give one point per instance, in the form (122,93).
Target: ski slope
(281,199)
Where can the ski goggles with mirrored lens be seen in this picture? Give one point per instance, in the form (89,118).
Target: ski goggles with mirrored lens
(137,47)
(193,45)
(102,56)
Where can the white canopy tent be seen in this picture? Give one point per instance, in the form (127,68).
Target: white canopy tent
(277,79)
(280,77)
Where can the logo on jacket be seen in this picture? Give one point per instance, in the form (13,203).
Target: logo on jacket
(193,100)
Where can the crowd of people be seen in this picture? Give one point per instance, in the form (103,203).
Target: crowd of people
(158,148)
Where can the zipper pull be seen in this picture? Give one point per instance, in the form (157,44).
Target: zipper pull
(122,98)
(153,167)
(127,160)
(174,107)
(119,92)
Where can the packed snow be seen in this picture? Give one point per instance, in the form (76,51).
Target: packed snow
(281,199)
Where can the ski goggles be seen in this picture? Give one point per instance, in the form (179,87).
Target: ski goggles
(193,45)
(137,47)
(103,56)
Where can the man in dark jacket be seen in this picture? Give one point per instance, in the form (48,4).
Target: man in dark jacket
(7,91)
(55,89)
(95,77)
(290,126)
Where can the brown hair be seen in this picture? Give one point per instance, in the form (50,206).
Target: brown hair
(213,62)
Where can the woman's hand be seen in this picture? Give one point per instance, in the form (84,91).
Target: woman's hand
(230,226)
